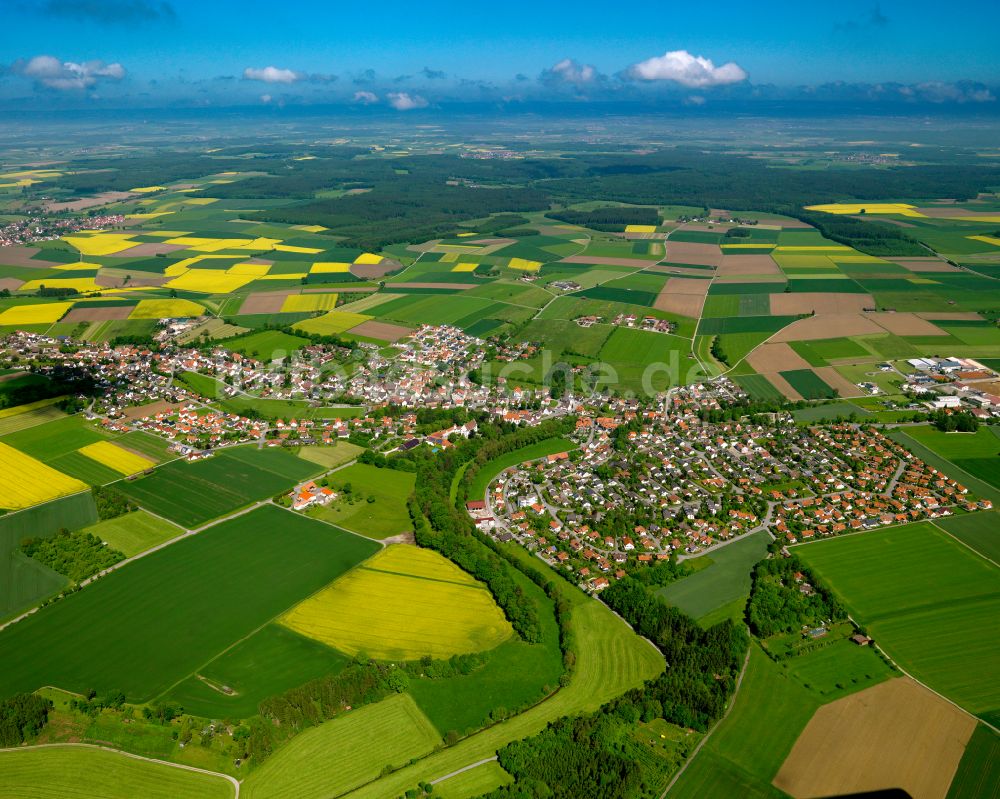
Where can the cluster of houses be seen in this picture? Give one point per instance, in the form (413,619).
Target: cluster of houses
(650,323)
(44,228)
(954,384)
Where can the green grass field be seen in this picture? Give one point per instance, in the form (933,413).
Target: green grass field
(646,362)
(191,494)
(489,470)
(725,580)
(134,532)
(385,516)
(23,580)
(266,345)
(150,625)
(345,753)
(330,457)
(758,387)
(979,487)
(56,438)
(807,383)
(976,453)
(770,709)
(63,771)
(839,669)
(272,660)
(981,531)
(978,775)
(874,574)
(474,782)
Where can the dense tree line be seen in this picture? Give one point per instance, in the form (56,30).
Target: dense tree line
(872,237)
(961,422)
(110,503)
(22,717)
(778,603)
(612,218)
(596,756)
(77,555)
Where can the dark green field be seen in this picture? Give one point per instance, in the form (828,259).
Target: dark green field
(807,383)
(981,531)
(191,494)
(978,775)
(149,626)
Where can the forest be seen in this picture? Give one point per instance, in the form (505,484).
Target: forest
(779,603)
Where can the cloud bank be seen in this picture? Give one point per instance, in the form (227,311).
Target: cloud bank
(50,72)
(404,101)
(691,71)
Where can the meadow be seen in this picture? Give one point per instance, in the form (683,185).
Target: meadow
(144,628)
(61,771)
(874,573)
(975,453)
(190,494)
(978,775)
(266,345)
(981,531)
(725,580)
(383,516)
(839,668)
(770,709)
(134,532)
(403,604)
(347,752)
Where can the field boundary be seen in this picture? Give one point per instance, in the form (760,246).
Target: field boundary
(967,546)
(231,780)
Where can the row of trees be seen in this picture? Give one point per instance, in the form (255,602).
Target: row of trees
(611,218)
(78,555)
(22,716)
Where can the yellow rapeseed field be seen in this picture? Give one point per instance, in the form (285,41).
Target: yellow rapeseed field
(43,313)
(464,268)
(449,257)
(114,457)
(209,281)
(201,244)
(332,323)
(325,267)
(310,228)
(296,303)
(253,270)
(293,248)
(148,189)
(761,246)
(640,228)
(869,208)
(987,240)
(81,266)
(368,258)
(819,249)
(25,481)
(102,243)
(524,264)
(467,233)
(403,603)
(165,309)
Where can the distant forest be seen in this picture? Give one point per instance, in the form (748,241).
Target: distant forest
(416,197)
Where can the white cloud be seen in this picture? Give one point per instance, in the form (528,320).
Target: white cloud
(695,99)
(265,98)
(404,101)
(688,70)
(570,71)
(67,75)
(365,98)
(272,75)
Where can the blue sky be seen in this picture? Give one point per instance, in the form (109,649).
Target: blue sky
(179,52)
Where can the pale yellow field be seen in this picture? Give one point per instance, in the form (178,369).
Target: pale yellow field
(524,264)
(293,248)
(640,228)
(986,239)
(81,284)
(820,249)
(25,481)
(449,257)
(165,309)
(869,208)
(289,276)
(201,244)
(295,303)
(200,200)
(179,268)
(114,457)
(402,604)
(148,189)
(101,243)
(332,323)
(150,215)
(45,313)
(466,234)
(464,267)
(17,410)
(209,281)
(326,267)
(253,270)
(367,258)
(762,246)
(991,218)
(310,228)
